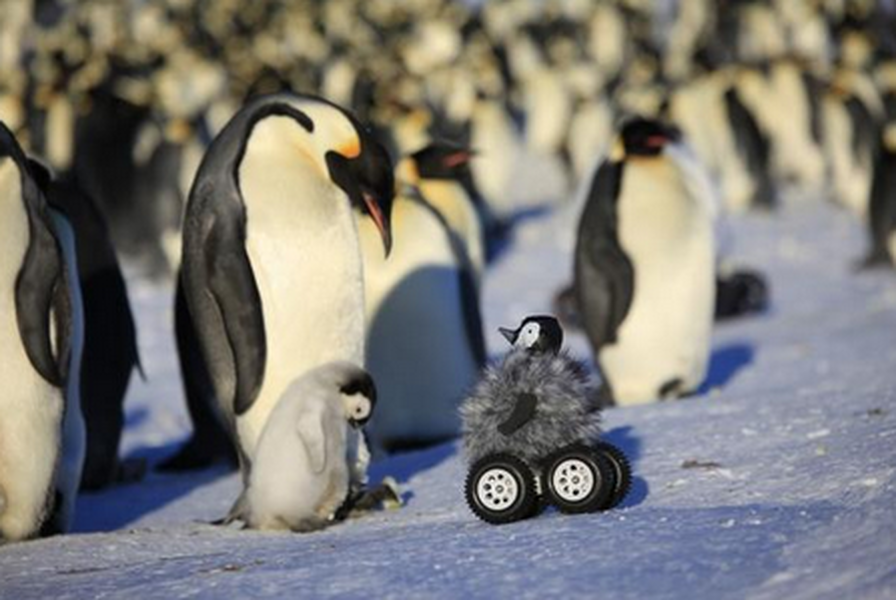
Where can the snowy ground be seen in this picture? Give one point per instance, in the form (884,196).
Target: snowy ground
(777,482)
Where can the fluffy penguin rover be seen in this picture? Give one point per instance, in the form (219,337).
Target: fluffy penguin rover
(531,433)
(272,267)
(645,266)
(301,473)
(41,339)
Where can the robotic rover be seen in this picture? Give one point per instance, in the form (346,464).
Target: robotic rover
(532,434)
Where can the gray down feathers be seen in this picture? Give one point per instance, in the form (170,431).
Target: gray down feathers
(567,409)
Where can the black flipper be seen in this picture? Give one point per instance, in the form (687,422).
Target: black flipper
(604,276)
(234,292)
(41,274)
(523,412)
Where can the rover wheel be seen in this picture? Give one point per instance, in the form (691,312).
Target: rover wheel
(622,469)
(579,479)
(500,488)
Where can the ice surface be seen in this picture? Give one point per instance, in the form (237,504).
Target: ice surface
(776,482)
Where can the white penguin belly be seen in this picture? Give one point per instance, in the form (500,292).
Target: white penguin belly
(31,407)
(667,234)
(417,346)
(303,248)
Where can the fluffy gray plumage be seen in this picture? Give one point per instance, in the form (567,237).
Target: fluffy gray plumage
(567,408)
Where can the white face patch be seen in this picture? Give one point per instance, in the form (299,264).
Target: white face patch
(357,407)
(529,335)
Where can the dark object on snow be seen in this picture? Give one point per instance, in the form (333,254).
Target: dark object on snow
(531,427)
(741,293)
(882,205)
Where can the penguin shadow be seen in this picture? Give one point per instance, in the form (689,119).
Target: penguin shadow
(724,363)
(630,444)
(124,503)
(500,237)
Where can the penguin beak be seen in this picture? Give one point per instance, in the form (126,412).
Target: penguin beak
(509,334)
(382,223)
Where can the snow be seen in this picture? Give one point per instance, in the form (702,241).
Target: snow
(776,482)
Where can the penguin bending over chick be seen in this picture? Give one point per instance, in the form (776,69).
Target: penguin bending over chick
(272,268)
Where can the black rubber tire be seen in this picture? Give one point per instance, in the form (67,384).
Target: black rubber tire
(622,468)
(588,491)
(521,505)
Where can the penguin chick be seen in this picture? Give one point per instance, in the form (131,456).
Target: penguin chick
(536,400)
(300,477)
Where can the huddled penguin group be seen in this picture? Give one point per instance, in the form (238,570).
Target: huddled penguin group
(329,183)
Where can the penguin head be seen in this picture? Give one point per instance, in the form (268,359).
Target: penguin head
(440,160)
(647,137)
(538,333)
(358,397)
(356,162)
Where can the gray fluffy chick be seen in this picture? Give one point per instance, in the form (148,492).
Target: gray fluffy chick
(535,401)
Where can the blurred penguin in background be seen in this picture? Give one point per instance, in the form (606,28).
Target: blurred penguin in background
(424,329)
(645,266)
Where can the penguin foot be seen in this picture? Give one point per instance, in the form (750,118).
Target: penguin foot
(197,454)
(383,496)
(875,260)
(131,470)
(742,293)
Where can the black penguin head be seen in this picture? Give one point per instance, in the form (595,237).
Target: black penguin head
(359,397)
(440,160)
(363,169)
(538,333)
(647,137)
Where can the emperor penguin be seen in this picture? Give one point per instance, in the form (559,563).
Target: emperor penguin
(301,474)
(110,351)
(645,266)
(41,337)
(882,204)
(442,173)
(272,269)
(424,338)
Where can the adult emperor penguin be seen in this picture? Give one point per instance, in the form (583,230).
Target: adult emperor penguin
(41,336)
(300,478)
(645,266)
(272,270)
(424,337)
(110,341)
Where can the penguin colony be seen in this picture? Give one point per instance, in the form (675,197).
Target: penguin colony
(122,115)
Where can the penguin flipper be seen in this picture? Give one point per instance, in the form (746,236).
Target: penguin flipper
(41,290)
(523,412)
(233,288)
(223,282)
(604,277)
(310,430)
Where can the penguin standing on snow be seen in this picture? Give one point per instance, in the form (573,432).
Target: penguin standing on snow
(645,266)
(41,337)
(272,269)
(300,477)
(424,336)
(882,205)
(110,342)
